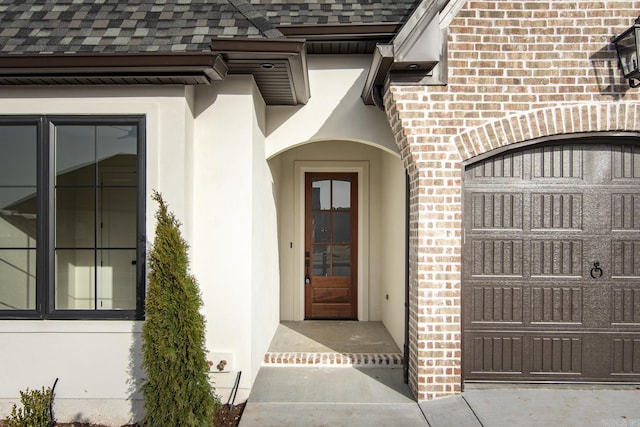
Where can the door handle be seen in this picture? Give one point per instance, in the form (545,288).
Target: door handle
(596,272)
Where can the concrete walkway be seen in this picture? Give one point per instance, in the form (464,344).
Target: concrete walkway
(360,385)
(371,397)
(329,396)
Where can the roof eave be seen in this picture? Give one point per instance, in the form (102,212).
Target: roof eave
(131,68)
(279,66)
(417,49)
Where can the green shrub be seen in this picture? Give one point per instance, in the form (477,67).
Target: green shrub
(35,411)
(177,390)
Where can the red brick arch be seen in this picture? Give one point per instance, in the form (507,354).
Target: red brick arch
(544,122)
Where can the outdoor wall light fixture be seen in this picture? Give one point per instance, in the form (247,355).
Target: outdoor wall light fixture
(627,48)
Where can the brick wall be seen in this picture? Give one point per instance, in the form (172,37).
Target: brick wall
(518,71)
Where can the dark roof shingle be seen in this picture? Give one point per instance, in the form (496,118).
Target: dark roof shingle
(310,12)
(163,26)
(134,26)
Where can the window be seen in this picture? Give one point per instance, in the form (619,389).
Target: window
(72,217)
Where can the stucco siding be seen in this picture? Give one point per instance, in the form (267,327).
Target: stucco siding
(335,110)
(97,363)
(235,247)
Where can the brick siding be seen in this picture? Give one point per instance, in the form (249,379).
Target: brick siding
(518,71)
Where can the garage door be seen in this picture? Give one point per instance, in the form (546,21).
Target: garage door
(551,264)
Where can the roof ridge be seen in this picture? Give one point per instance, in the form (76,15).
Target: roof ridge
(258,20)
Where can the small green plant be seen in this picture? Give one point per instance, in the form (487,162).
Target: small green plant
(36,409)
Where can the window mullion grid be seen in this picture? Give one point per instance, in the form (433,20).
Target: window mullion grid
(47,218)
(46,211)
(95,219)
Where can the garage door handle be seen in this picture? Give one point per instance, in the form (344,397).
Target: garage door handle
(596,271)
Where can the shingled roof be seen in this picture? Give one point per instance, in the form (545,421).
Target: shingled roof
(187,41)
(134,26)
(331,12)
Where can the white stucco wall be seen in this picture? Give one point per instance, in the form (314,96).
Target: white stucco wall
(335,110)
(206,153)
(235,255)
(97,362)
(393,243)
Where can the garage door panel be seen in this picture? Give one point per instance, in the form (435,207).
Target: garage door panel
(556,304)
(625,211)
(497,304)
(625,306)
(497,210)
(497,257)
(556,211)
(625,162)
(555,258)
(557,162)
(498,355)
(556,355)
(625,356)
(508,166)
(551,265)
(625,259)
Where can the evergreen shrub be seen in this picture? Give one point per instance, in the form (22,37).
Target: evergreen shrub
(177,389)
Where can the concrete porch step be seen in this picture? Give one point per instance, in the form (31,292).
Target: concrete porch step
(332,359)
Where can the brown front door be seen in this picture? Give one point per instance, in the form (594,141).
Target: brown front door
(551,274)
(331,224)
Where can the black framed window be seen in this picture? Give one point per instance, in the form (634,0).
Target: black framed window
(72,217)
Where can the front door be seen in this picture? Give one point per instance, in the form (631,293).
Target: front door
(331,236)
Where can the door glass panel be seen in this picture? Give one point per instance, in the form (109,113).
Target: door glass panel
(341,227)
(75,279)
(341,195)
(321,194)
(17,279)
(321,223)
(321,260)
(341,260)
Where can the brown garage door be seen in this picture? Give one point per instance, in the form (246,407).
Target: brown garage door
(551,270)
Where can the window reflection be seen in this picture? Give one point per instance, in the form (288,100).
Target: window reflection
(18,218)
(341,260)
(96,176)
(341,195)
(321,194)
(331,227)
(321,255)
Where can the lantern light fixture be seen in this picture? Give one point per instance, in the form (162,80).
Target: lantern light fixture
(627,47)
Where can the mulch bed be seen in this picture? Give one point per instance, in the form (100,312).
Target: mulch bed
(227,416)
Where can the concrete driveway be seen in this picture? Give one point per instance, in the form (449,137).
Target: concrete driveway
(580,406)
(372,397)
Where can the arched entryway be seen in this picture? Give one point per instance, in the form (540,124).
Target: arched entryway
(379,235)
